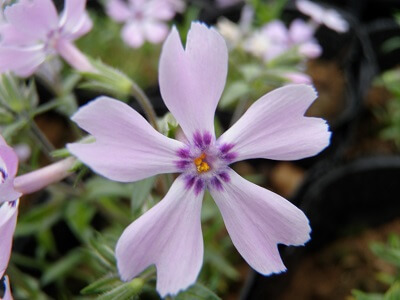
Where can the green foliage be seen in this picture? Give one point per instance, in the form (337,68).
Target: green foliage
(267,11)
(104,43)
(197,292)
(107,80)
(390,114)
(389,252)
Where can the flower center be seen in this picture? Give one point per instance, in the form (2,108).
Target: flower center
(204,162)
(201,165)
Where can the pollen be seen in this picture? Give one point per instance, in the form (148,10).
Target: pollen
(201,165)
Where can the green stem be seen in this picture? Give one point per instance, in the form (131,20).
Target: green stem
(145,103)
(47,107)
(42,139)
(148,109)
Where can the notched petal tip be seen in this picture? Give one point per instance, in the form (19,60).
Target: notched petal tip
(193,77)
(306,91)
(258,220)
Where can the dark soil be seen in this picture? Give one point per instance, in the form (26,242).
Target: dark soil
(338,268)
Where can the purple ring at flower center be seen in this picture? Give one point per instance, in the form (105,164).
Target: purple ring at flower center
(3,175)
(205,163)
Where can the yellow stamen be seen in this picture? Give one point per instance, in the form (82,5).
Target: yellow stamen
(201,165)
(204,167)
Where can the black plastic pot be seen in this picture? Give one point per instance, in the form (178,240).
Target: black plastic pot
(336,199)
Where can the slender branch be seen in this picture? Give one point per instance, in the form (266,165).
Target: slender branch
(148,109)
(39,135)
(47,107)
(145,103)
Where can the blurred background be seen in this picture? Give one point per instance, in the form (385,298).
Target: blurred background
(64,241)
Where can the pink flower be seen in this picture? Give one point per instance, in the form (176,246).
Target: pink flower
(8,207)
(301,35)
(144,19)
(33,31)
(127,149)
(8,170)
(297,77)
(177,5)
(274,39)
(328,17)
(12,188)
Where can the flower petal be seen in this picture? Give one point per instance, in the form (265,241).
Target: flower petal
(177,5)
(301,31)
(8,221)
(276,31)
(159,10)
(74,19)
(192,79)
(257,220)
(22,61)
(297,77)
(10,35)
(127,148)
(274,127)
(118,10)
(335,21)
(73,56)
(310,49)
(155,31)
(168,236)
(7,292)
(311,9)
(8,168)
(36,18)
(41,178)
(132,34)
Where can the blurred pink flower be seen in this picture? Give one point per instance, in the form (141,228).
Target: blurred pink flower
(8,170)
(234,33)
(177,5)
(144,19)
(127,149)
(320,15)
(274,39)
(23,152)
(297,77)
(32,31)
(8,221)
(301,35)
(12,188)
